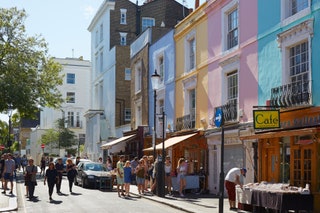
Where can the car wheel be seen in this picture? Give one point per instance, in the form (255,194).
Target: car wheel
(84,182)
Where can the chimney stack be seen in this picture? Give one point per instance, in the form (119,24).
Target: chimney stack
(196,4)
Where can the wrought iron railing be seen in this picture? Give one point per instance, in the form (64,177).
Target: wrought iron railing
(289,95)
(186,121)
(229,111)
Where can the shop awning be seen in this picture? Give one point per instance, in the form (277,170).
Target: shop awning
(109,145)
(171,141)
(282,133)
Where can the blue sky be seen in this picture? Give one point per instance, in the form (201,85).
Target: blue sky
(63,24)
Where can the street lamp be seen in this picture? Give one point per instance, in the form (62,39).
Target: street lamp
(10,124)
(160,165)
(155,78)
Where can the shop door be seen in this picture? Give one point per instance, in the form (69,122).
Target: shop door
(273,166)
(302,158)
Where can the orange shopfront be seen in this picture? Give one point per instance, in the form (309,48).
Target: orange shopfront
(290,154)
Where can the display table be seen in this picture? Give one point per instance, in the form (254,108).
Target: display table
(244,198)
(281,201)
(192,182)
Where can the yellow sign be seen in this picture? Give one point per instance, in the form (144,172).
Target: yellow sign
(266,119)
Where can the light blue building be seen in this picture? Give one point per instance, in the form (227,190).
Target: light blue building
(162,59)
(289,70)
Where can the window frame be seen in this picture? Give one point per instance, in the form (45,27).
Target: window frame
(127,114)
(123,16)
(233,5)
(71,97)
(286,15)
(190,65)
(127,74)
(145,26)
(123,39)
(71,78)
(138,76)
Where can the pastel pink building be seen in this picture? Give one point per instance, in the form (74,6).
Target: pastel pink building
(232,84)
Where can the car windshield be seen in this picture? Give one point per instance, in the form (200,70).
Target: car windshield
(94,167)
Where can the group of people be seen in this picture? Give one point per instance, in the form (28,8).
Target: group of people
(52,176)
(142,172)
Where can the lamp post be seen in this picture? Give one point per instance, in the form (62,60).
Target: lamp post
(10,124)
(155,77)
(160,164)
(160,170)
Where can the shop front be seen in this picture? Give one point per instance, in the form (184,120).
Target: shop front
(192,146)
(289,154)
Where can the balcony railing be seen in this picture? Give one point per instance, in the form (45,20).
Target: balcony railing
(186,121)
(290,95)
(229,111)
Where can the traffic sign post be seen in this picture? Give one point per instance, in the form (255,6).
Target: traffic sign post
(42,147)
(219,122)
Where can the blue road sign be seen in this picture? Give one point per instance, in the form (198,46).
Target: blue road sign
(218,117)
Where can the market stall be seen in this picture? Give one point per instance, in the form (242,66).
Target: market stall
(276,196)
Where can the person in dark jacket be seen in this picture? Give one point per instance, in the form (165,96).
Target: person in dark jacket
(71,173)
(59,167)
(51,176)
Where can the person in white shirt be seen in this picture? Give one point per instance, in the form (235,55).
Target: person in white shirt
(231,180)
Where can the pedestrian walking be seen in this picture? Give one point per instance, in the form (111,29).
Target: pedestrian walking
(3,158)
(24,162)
(127,171)
(71,173)
(140,175)
(120,178)
(42,166)
(168,179)
(9,168)
(51,176)
(134,164)
(59,167)
(231,180)
(182,169)
(31,170)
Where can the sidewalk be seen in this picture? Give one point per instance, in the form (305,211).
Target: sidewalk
(9,202)
(192,202)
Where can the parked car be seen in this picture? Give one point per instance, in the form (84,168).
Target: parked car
(90,173)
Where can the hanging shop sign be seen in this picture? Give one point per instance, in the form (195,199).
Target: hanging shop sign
(266,119)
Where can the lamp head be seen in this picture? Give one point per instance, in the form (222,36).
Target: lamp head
(155,78)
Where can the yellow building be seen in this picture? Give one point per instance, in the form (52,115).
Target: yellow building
(191,91)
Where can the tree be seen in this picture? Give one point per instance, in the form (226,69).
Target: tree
(29,78)
(60,137)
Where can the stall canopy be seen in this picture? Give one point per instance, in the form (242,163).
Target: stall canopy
(171,141)
(109,145)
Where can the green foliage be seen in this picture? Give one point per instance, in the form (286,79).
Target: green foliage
(29,78)
(60,137)
(50,138)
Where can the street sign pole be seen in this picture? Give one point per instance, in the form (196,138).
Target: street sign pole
(219,122)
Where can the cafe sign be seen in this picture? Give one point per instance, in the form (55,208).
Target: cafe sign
(266,119)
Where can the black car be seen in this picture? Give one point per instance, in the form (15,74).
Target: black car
(90,174)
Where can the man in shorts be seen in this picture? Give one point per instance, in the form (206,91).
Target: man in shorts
(9,168)
(231,180)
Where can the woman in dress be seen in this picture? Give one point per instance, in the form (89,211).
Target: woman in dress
(51,176)
(182,169)
(140,175)
(127,177)
(167,169)
(71,173)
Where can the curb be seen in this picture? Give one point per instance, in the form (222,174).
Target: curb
(165,203)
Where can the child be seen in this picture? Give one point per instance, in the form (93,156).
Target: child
(127,177)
